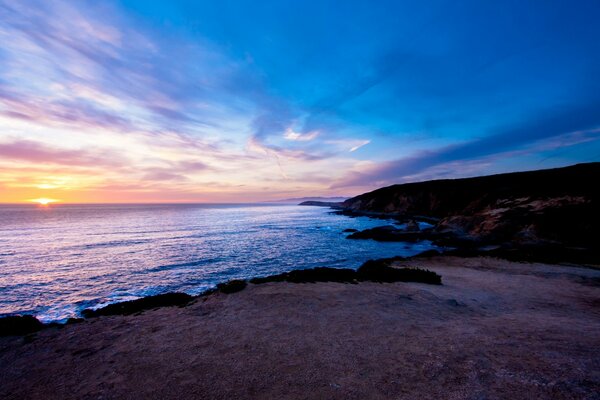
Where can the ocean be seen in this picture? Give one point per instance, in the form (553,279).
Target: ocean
(57,260)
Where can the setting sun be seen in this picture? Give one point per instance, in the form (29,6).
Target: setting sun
(43,201)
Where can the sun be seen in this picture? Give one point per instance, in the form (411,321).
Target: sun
(43,201)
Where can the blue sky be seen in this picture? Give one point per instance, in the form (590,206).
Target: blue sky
(237,100)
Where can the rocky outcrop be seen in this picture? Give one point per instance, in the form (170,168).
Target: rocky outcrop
(145,303)
(556,207)
(19,325)
(372,270)
(389,233)
(232,286)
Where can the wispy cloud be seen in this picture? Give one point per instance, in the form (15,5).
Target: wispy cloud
(290,134)
(559,127)
(40,154)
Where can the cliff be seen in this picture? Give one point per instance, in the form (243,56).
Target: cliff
(557,206)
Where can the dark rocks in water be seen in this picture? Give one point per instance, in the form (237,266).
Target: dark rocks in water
(16,325)
(232,286)
(145,303)
(389,233)
(350,230)
(412,226)
(71,321)
(374,215)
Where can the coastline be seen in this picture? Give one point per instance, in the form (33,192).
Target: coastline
(494,328)
(379,270)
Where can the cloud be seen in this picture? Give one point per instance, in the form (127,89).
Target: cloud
(549,124)
(301,137)
(349,145)
(70,64)
(359,145)
(42,154)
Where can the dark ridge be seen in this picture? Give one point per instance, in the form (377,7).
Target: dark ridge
(372,270)
(232,286)
(440,198)
(380,271)
(16,325)
(321,203)
(145,303)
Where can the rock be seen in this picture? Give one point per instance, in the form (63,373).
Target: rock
(350,230)
(390,233)
(380,271)
(455,303)
(16,325)
(412,226)
(232,286)
(373,270)
(145,303)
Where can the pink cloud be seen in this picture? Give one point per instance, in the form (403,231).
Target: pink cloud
(38,153)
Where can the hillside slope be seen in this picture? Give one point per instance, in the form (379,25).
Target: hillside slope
(551,206)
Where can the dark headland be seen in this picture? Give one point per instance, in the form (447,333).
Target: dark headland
(547,215)
(510,308)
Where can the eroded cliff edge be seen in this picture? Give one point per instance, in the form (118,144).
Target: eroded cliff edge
(553,212)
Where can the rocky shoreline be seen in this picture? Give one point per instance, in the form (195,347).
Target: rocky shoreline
(372,270)
(548,216)
(494,329)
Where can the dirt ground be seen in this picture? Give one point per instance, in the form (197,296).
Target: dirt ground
(493,330)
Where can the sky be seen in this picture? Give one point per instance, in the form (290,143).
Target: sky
(239,101)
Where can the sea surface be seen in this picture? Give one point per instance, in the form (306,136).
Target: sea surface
(57,260)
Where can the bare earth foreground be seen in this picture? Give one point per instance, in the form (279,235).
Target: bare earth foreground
(494,329)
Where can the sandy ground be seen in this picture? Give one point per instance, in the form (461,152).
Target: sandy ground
(494,330)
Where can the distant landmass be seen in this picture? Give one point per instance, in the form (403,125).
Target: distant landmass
(298,200)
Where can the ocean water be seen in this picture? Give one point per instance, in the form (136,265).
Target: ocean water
(57,260)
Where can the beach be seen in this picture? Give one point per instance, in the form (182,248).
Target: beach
(493,329)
